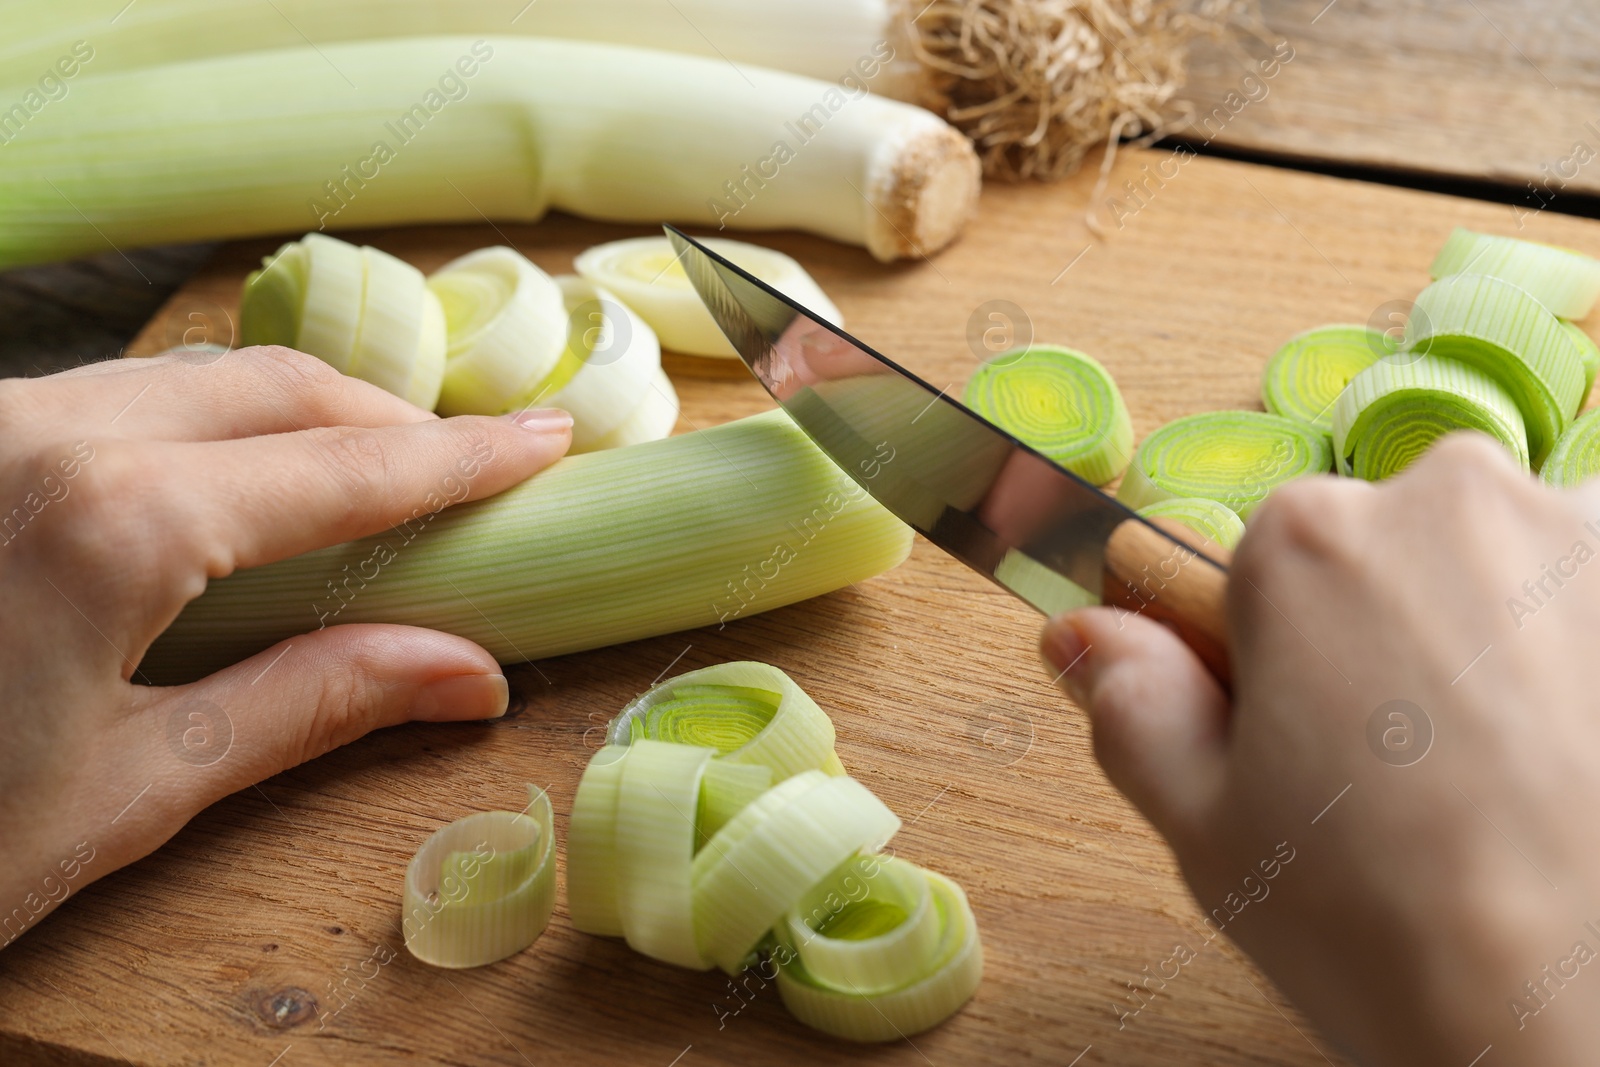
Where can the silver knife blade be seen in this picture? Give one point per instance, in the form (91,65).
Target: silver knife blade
(970,487)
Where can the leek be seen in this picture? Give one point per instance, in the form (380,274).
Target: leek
(647,275)
(592,871)
(436,129)
(1588,352)
(1206,517)
(613,546)
(657,801)
(1304,377)
(483,887)
(362,311)
(1059,401)
(1565,282)
(1233,457)
(1576,457)
(617,393)
(1393,412)
(1505,333)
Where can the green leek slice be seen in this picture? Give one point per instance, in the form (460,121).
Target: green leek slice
(657,801)
(1233,457)
(1204,516)
(507,327)
(1393,412)
(871,926)
(726,790)
(748,712)
(1565,282)
(1501,330)
(592,872)
(481,888)
(1059,401)
(770,854)
(646,274)
(948,981)
(1588,352)
(1304,377)
(361,311)
(1576,457)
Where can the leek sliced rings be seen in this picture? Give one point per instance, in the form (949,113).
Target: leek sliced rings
(1565,282)
(1062,403)
(1304,377)
(1576,456)
(1233,457)
(1206,517)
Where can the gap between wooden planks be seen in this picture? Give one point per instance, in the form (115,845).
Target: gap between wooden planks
(223,946)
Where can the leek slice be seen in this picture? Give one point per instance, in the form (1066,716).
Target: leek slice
(596,550)
(757,715)
(1059,401)
(483,887)
(615,363)
(1565,282)
(725,791)
(507,326)
(1304,377)
(1588,352)
(1233,457)
(592,871)
(949,980)
(1206,517)
(1498,328)
(657,801)
(869,927)
(763,861)
(361,311)
(646,274)
(1393,412)
(1576,457)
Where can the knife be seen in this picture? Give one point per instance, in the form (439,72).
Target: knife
(977,492)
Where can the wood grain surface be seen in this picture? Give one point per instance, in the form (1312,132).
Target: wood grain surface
(245,940)
(1496,89)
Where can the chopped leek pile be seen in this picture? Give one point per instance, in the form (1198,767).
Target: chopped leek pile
(1062,403)
(719,825)
(646,274)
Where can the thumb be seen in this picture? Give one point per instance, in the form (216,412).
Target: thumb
(310,694)
(1159,717)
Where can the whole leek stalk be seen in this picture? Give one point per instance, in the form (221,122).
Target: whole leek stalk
(436,129)
(601,548)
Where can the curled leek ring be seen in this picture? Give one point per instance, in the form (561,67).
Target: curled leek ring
(1059,401)
(1565,282)
(1576,457)
(507,328)
(1206,517)
(749,713)
(483,887)
(1393,412)
(1505,333)
(1233,457)
(926,995)
(1304,377)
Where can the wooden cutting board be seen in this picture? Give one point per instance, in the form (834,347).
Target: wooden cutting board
(256,936)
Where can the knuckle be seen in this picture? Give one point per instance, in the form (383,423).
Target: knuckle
(357,461)
(291,370)
(1304,514)
(351,698)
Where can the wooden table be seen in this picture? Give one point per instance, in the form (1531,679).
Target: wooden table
(226,946)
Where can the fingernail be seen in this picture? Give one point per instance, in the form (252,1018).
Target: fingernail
(542,420)
(462,696)
(1063,649)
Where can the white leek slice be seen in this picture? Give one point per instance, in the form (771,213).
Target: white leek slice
(1505,333)
(1565,282)
(1304,377)
(616,363)
(646,274)
(652,420)
(1393,412)
(1233,457)
(754,870)
(1213,520)
(869,927)
(507,327)
(725,791)
(483,887)
(657,802)
(592,870)
(952,975)
(1576,457)
(1061,402)
(360,310)
(760,716)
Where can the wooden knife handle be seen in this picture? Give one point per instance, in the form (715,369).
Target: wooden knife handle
(1149,575)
